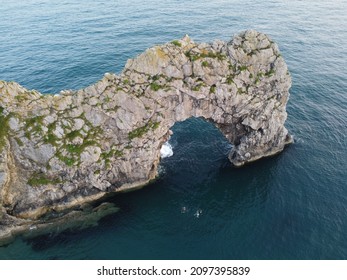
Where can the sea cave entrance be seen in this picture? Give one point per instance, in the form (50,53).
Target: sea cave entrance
(198,147)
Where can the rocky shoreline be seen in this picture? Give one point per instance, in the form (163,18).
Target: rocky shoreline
(60,152)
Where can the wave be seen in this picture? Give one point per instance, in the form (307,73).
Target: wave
(166,150)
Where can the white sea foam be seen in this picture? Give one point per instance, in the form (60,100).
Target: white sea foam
(166,150)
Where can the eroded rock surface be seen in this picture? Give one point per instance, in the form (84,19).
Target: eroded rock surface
(60,151)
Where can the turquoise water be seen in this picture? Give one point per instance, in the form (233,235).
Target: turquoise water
(291,206)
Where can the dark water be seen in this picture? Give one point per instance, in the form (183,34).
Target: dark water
(292,206)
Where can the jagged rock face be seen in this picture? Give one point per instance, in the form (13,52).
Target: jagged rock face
(59,151)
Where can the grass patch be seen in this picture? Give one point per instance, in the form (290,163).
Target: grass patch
(210,54)
(155,87)
(259,76)
(176,43)
(242,68)
(196,56)
(240,91)
(270,73)
(69,161)
(78,149)
(205,64)
(19,142)
(197,87)
(50,137)
(34,125)
(74,152)
(155,125)
(73,134)
(39,179)
(232,67)
(21,97)
(155,78)
(107,99)
(34,121)
(106,156)
(230,79)
(112,153)
(139,132)
(4,128)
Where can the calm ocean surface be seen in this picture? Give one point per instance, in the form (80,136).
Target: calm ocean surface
(292,206)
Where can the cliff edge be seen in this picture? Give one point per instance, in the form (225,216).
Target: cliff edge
(60,151)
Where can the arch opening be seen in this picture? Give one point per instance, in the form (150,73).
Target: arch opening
(197,139)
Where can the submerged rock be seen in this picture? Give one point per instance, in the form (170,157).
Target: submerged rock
(60,151)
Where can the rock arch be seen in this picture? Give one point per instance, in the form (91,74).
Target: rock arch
(59,151)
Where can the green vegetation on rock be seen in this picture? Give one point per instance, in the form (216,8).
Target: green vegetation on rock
(19,142)
(176,43)
(139,132)
(68,151)
(270,73)
(198,86)
(213,89)
(39,179)
(210,54)
(74,152)
(21,97)
(259,76)
(69,161)
(112,153)
(4,128)
(204,64)
(50,137)
(106,156)
(33,126)
(242,68)
(230,79)
(73,134)
(154,86)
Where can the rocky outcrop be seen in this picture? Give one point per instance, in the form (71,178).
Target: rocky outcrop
(60,151)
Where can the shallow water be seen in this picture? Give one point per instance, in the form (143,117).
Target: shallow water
(291,206)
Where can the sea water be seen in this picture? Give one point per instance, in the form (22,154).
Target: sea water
(291,206)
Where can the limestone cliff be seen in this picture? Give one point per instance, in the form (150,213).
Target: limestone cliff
(60,151)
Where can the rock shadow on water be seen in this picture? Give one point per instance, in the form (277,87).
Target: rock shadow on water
(67,228)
